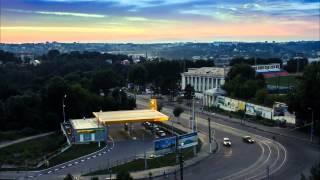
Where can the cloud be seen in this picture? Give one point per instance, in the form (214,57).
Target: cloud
(85,15)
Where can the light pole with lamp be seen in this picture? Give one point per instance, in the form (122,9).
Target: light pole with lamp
(63,108)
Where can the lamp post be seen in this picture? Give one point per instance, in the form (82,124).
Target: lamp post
(312,124)
(63,106)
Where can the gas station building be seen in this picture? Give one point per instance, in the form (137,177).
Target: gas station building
(96,129)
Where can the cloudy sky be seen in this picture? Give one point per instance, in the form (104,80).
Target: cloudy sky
(159,20)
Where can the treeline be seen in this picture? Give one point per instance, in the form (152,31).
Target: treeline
(31,96)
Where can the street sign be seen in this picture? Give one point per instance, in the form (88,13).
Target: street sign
(165,145)
(188,140)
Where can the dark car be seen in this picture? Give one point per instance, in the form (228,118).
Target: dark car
(248,139)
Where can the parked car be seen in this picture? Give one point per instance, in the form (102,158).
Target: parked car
(226,142)
(248,139)
(161,133)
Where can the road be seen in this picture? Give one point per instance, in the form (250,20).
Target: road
(115,152)
(285,157)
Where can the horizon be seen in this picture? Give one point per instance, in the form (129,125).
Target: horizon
(154,21)
(172,42)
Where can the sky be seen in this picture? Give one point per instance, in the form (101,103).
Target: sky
(149,21)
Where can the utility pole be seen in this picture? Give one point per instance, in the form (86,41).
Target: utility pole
(210,138)
(63,106)
(181,165)
(268,172)
(312,124)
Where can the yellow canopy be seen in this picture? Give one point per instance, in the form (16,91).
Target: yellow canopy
(130,116)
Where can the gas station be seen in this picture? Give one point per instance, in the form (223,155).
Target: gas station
(96,129)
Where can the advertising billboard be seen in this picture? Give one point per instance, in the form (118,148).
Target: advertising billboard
(187,140)
(165,145)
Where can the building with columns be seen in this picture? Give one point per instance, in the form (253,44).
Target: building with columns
(204,78)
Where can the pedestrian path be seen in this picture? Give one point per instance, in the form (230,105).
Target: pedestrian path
(5,144)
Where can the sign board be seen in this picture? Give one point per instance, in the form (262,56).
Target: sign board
(188,140)
(165,145)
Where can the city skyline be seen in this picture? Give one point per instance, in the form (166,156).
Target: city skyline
(149,21)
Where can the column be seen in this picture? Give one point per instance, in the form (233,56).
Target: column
(183,82)
(216,79)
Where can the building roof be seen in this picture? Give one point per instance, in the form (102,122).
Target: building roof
(90,123)
(130,116)
(207,71)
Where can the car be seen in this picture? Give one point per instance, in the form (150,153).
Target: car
(248,139)
(226,142)
(147,125)
(161,133)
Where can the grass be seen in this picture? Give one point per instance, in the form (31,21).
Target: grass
(30,153)
(74,152)
(283,81)
(14,135)
(138,164)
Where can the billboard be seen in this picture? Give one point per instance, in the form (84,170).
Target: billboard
(165,145)
(188,140)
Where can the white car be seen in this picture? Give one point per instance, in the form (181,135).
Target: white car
(226,142)
(161,133)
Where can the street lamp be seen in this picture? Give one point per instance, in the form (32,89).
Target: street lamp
(312,124)
(63,108)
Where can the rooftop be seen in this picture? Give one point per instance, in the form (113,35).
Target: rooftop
(208,71)
(90,123)
(130,116)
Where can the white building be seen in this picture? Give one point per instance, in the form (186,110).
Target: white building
(204,78)
(267,67)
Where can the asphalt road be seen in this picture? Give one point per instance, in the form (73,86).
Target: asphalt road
(285,157)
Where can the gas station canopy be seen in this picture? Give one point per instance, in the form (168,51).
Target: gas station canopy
(130,116)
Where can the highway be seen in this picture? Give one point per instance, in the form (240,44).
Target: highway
(282,158)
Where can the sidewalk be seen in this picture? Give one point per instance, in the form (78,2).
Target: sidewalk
(285,132)
(5,144)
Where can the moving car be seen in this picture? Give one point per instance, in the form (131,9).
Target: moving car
(248,139)
(226,142)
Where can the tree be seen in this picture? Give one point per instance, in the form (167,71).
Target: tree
(124,175)
(138,75)
(104,80)
(177,112)
(242,82)
(314,173)
(305,99)
(188,92)
(68,177)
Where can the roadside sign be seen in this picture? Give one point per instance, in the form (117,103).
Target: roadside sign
(188,140)
(165,145)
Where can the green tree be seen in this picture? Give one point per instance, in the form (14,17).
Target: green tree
(189,92)
(104,80)
(314,173)
(306,98)
(177,112)
(124,175)
(138,74)
(68,177)
(242,82)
